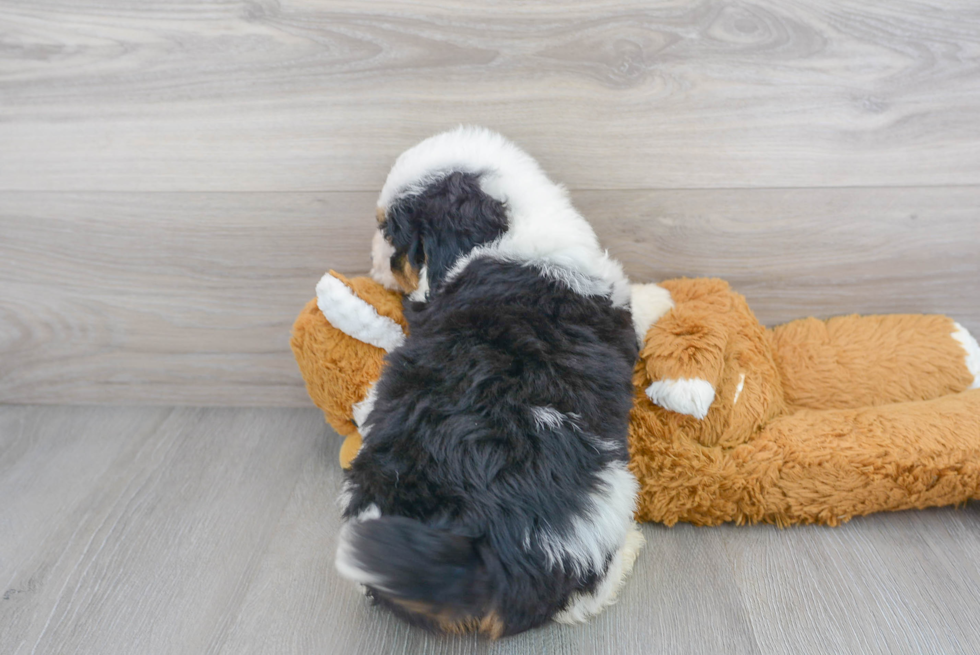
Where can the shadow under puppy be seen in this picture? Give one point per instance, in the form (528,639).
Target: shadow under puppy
(491,493)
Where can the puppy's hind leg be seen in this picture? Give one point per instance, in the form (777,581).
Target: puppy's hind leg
(584,606)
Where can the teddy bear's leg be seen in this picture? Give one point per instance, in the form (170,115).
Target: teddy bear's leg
(851,462)
(816,466)
(858,361)
(349,450)
(972,349)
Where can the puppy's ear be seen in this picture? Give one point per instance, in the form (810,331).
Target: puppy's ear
(447,219)
(401,228)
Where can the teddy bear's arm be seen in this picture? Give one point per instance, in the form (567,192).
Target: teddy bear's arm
(684,355)
(351,314)
(648,304)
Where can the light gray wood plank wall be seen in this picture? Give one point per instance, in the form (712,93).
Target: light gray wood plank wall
(188,298)
(312,95)
(174,177)
(160,530)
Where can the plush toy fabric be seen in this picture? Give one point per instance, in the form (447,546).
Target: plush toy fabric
(810,422)
(338,368)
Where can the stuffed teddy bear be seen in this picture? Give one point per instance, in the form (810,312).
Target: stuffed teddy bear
(810,422)
(340,369)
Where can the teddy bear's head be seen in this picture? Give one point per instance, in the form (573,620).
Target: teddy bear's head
(339,341)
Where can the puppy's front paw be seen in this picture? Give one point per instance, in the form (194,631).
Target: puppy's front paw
(691,396)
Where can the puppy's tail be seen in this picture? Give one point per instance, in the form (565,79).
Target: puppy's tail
(430,577)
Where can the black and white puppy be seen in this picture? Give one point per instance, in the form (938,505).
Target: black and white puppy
(491,493)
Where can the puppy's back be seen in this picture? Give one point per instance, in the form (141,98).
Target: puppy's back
(495,454)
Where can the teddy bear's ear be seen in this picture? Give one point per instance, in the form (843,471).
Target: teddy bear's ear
(648,302)
(350,314)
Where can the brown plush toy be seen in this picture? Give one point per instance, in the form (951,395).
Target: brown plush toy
(341,369)
(810,422)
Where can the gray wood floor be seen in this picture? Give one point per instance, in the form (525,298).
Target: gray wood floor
(182,530)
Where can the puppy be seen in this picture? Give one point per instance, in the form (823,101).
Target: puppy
(491,493)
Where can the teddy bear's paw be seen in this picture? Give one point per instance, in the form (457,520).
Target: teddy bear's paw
(691,396)
(972,353)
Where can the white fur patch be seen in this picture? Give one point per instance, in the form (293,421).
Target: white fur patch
(346,493)
(972,353)
(571,279)
(421,293)
(601,530)
(551,417)
(584,606)
(648,303)
(346,562)
(691,396)
(370,512)
(363,409)
(547,416)
(381,252)
(543,226)
(353,316)
(738,389)
(575,280)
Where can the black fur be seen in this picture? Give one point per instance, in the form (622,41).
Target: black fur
(449,217)
(453,457)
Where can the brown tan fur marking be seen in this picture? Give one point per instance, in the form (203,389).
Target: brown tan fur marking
(443,619)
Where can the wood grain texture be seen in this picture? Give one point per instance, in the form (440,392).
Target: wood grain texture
(316,95)
(189,298)
(806,252)
(170,298)
(918,594)
(159,530)
(144,526)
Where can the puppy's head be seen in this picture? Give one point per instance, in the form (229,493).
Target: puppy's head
(451,193)
(423,231)
(471,187)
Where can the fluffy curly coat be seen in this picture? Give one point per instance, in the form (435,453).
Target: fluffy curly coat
(491,491)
